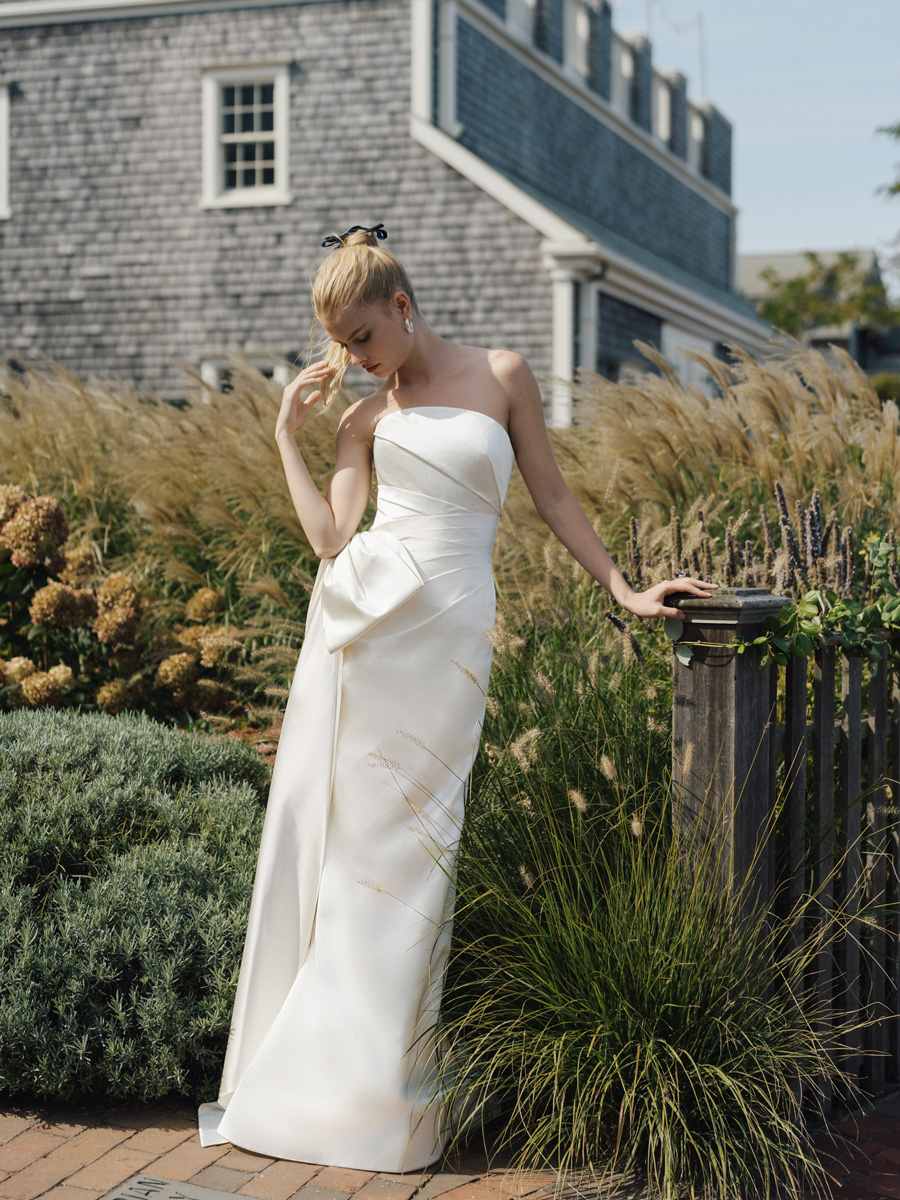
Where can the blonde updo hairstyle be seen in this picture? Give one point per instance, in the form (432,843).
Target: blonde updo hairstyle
(357,272)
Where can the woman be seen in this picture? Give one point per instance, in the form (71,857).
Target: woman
(331,1058)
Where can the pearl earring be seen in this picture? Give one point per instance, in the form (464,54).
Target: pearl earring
(409,325)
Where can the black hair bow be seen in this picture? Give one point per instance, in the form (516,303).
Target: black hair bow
(338,240)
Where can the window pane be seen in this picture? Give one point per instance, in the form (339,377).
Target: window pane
(230,179)
(267,93)
(247,122)
(228,122)
(249,154)
(267,120)
(231,152)
(249,177)
(268,175)
(228,97)
(247,94)
(268,151)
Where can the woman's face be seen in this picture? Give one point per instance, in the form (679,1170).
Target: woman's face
(375,335)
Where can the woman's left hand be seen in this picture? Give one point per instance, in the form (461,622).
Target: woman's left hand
(650,603)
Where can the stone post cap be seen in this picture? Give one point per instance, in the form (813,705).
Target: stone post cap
(729,606)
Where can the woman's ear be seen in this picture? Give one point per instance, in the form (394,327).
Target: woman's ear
(402,304)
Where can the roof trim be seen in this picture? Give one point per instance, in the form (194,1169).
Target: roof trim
(590,256)
(488,23)
(15,13)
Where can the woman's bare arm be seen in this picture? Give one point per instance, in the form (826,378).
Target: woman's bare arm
(328,521)
(556,504)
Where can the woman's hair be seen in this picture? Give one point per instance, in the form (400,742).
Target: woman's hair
(357,272)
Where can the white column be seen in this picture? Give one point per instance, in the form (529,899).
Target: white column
(420,38)
(564,282)
(446,95)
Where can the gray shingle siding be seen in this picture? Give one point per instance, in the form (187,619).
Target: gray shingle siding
(109,263)
(600,77)
(565,153)
(618,326)
(718,149)
(548,31)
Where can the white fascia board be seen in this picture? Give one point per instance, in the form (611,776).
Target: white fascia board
(569,247)
(15,13)
(549,69)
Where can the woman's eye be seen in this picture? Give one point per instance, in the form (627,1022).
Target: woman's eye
(364,338)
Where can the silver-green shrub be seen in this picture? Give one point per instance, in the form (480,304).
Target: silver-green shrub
(126,864)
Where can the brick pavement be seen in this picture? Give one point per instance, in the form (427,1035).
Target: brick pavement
(58,1153)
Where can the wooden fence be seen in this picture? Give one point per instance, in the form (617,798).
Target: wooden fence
(788,772)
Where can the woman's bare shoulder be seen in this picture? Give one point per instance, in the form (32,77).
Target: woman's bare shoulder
(359,419)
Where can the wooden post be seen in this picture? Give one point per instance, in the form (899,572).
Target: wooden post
(723,724)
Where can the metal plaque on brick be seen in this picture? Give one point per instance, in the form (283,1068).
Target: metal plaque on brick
(152,1187)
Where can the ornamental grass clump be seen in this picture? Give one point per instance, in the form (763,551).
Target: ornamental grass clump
(620,1013)
(126,886)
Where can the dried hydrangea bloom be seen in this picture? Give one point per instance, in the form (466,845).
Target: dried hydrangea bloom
(114,697)
(19,668)
(204,604)
(118,612)
(64,676)
(116,626)
(208,695)
(191,636)
(218,648)
(117,591)
(11,500)
(36,532)
(79,566)
(176,672)
(40,690)
(58,606)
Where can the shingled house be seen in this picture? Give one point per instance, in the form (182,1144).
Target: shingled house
(168,169)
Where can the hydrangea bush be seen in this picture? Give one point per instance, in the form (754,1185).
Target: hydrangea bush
(68,637)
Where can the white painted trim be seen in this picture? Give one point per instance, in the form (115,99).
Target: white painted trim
(562,367)
(5,210)
(421,65)
(446,67)
(14,13)
(621,276)
(212,194)
(549,69)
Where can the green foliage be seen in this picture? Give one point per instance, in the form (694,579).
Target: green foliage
(620,1008)
(893,131)
(826,294)
(126,881)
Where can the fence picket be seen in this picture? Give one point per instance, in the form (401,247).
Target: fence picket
(851,823)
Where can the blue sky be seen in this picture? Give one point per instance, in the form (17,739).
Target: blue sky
(806,84)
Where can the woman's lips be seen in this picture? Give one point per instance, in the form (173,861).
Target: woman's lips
(371,370)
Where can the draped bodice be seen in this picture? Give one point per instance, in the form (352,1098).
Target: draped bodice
(442,478)
(437,462)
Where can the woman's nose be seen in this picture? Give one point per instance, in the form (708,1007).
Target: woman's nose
(357,358)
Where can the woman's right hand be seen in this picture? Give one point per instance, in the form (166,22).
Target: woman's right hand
(294,410)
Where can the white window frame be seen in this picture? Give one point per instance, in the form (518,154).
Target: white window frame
(696,135)
(213,366)
(5,210)
(673,344)
(662,109)
(577,38)
(214,194)
(622,75)
(520,18)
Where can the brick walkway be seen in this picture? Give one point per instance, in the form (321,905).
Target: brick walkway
(867,1150)
(60,1154)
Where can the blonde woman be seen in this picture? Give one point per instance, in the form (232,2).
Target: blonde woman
(331,1057)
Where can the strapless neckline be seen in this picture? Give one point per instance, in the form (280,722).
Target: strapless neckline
(454,408)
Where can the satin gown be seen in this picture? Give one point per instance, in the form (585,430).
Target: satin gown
(331,1056)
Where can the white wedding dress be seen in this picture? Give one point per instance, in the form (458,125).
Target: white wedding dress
(331,1056)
